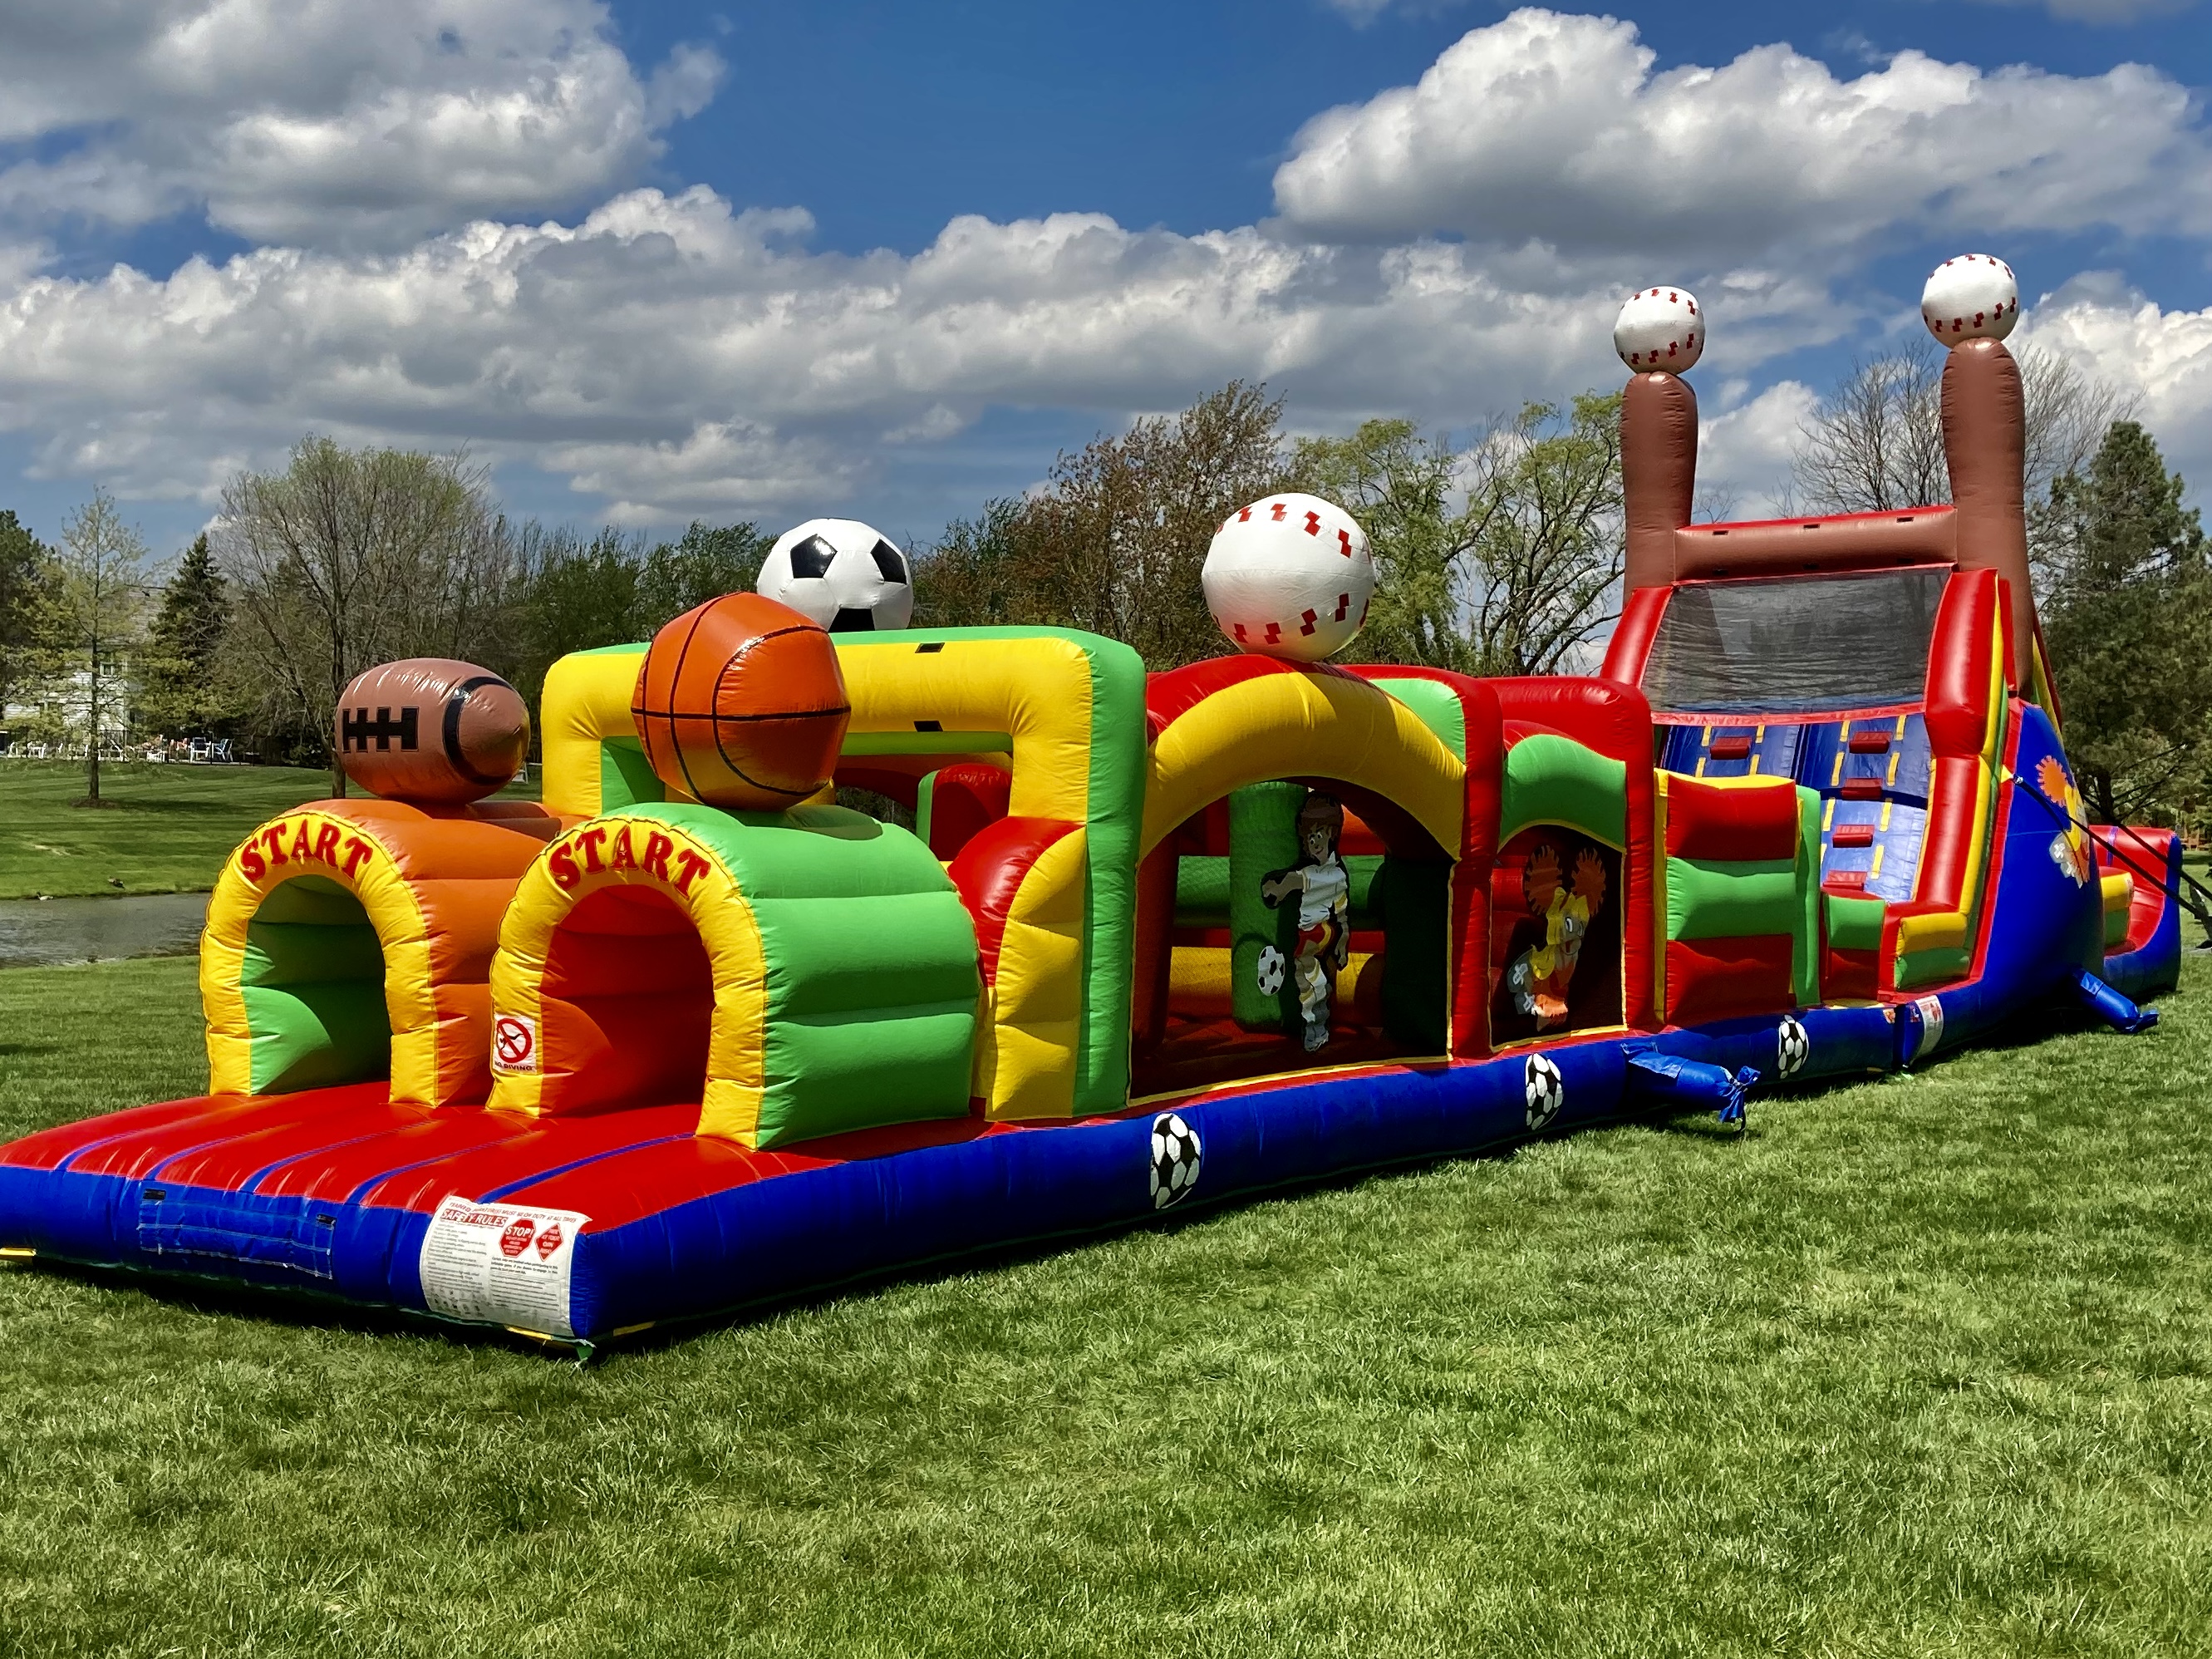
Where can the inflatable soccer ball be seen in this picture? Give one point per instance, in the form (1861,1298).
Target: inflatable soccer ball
(1660,328)
(1792,1046)
(1289,577)
(1175,1153)
(846,575)
(1544,1091)
(1974,297)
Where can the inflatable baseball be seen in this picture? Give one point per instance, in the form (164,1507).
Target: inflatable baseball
(1289,577)
(1660,328)
(1974,297)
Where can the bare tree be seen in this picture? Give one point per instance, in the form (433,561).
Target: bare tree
(1875,443)
(95,613)
(349,558)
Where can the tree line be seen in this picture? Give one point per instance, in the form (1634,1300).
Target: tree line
(1497,551)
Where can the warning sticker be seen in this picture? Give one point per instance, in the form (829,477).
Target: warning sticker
(1931,1025)
(514,1044)
(500,1264)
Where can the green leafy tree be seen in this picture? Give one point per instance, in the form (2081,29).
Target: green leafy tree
(1545,535)
(183,683)
(2128,621)
(92,620)
(703,563)
(1114,541)
(24,572)
(577,595)
(1404,490)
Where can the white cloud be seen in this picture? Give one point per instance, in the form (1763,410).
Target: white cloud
(670,354)
(676,356)
(1744,449)
(326,122)
(1556,129)
(2102,11)
(2166,356)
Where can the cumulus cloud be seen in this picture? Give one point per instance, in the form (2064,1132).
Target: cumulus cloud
(1558,130)
(675,355)
(2115,331)
(323,122)
(669,353)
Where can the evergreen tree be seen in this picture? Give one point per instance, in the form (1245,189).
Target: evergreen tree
(23,571)
(2129,621)
(181,682)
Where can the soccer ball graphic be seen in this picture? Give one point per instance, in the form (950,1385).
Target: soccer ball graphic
(1290,577)
(1661,328)
(1792,1046)
(847,577)
(1272,967)
(1969,298)
(1544,1089)
(1175,1153)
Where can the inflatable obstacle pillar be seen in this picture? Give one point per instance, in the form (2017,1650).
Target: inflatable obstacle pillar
(1658,472)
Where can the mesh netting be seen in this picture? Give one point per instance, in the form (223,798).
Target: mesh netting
(1797,644)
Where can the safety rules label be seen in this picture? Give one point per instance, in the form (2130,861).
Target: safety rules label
(500,1264)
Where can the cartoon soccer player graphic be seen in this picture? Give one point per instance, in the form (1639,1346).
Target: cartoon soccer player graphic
(1324,891)
(1540,977)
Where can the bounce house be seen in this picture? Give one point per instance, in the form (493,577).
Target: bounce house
(689,1035)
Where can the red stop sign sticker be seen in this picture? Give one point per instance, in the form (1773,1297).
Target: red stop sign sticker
(516,1239)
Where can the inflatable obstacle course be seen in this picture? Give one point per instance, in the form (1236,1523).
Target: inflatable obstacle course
(691,1037)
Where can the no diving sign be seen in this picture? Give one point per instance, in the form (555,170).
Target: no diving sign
(500,1264)
(514,1044)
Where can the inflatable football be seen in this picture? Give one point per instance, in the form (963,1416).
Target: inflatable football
(847,577)
(431,729)
(1289,577)
(740,704)
(1660,328)
(1974,297)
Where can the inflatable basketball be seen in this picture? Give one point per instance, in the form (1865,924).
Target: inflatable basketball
(741,704)
(431,729)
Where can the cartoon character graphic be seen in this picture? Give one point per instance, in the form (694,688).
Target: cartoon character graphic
(1324,893)
(1540,977)
(2069,848)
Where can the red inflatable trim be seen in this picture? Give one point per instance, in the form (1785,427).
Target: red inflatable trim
(1712,979)
(1730,826)
(988,873)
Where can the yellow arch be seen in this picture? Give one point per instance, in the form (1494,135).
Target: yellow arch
(432,887)
(1293,725)
(692,875)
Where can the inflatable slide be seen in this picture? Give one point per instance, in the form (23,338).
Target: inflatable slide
(689,1035)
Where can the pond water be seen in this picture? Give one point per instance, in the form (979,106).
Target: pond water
(41,933)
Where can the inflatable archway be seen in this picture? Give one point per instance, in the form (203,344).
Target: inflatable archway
(354,935)
(673,953)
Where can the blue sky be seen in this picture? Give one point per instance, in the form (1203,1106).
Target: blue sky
(657,261)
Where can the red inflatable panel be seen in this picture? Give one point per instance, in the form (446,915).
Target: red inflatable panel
(1725,978)
(963,799)
(1731,826)
(988,873)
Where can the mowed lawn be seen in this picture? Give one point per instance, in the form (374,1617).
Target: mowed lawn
(1920,1367)
(169,830)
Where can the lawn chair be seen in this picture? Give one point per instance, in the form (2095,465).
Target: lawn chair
(219,752)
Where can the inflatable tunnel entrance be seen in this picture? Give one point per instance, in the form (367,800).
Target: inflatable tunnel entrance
(350,939)
(798,975)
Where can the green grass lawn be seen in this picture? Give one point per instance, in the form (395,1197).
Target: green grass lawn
(1920,1367)
(170,832)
